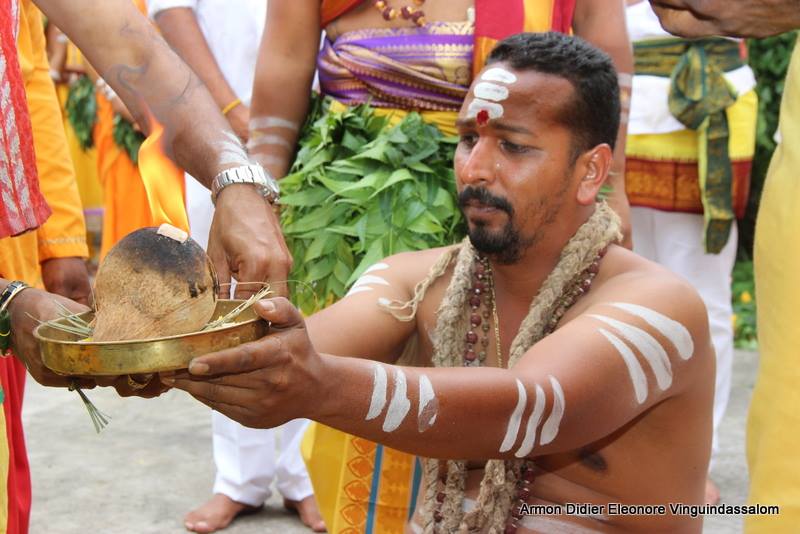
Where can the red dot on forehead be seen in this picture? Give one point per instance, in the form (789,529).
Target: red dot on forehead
(482,118)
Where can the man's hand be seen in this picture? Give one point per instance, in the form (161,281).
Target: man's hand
(69,278)
(28,308)
(261,384)
(246,242)
(735,18)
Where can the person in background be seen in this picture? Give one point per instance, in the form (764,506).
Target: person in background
(51,257)
(151,79)
(684,211)
(773,426)
(219,40)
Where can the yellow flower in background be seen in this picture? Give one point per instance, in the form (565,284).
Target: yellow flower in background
(746,297)
(734,318)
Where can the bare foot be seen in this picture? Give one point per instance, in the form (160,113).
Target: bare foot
(712,492)
(216,514)
(308,512)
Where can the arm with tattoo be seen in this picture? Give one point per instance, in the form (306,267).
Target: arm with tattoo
(135,61)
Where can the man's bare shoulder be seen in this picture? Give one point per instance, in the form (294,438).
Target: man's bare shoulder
(626,277)
(413,267)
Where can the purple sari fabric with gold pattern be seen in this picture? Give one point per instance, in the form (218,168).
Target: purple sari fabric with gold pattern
(428,68)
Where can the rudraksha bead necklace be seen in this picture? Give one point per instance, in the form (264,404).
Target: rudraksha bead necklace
(483,306)
(414,14)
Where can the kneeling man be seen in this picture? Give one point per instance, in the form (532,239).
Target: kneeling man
(542,363)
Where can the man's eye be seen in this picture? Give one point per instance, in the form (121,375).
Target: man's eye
(513,148)
(468,140)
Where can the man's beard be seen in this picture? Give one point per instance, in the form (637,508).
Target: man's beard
(506,245)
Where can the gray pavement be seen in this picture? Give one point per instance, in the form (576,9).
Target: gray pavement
(153,463)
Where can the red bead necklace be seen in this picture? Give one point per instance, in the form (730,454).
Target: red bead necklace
(414,14)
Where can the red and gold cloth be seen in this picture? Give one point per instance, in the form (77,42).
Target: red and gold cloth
(23,206)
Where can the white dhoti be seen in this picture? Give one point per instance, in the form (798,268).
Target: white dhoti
(675,240)
(247,459)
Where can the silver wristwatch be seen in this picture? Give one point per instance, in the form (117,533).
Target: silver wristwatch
(247,174)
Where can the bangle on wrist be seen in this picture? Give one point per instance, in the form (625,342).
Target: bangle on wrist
(12,290)
(227,109)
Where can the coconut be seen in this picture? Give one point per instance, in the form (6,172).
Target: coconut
(155,282)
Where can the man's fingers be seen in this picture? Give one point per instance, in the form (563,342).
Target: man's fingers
(251,271)
(242,359)
(214,392)
(278,311)
(220,262)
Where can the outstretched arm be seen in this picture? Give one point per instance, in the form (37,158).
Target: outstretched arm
(594,375)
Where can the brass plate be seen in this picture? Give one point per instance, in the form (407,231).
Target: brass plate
(63,353)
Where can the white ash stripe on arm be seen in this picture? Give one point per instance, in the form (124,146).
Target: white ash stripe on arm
(677,334)
(231,151)
(260,139)
(366,280)
(553,423)
(648,347)
(378,401)
(399,405)
(516,418)
(428,404)
(265,123)
(533,424)
(635,370)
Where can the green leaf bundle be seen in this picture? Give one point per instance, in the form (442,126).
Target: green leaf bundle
(127,138)
(81,110)
(361,190)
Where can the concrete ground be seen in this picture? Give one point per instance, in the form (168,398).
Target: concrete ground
(153,463)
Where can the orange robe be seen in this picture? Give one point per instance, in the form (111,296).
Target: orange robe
(63,235)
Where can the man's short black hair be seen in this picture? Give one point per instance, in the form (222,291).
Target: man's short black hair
(593,115)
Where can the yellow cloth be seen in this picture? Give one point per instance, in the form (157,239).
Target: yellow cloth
(445,121)
(84,161)
(342,467)
(682,145)
(661,170)
(773,430)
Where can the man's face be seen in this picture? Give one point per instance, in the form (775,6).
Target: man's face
(513,164)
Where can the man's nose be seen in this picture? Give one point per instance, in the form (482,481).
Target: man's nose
(481,166)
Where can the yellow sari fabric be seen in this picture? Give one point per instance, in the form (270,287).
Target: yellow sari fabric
(773,427)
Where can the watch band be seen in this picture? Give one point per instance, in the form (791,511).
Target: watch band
(247,174)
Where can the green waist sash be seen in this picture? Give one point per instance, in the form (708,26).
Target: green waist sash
(699,94)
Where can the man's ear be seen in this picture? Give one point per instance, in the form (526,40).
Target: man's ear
(592,167)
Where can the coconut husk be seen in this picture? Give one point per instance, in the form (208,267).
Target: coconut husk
(155,282)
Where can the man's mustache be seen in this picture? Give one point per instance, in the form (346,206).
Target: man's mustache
(484,197)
